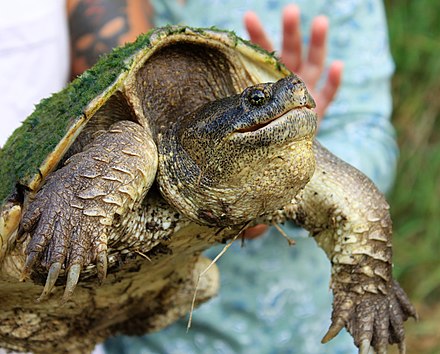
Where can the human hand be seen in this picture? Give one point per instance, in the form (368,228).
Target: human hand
(309,68)
(255,231)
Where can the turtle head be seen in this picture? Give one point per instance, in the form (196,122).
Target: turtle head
(242,156)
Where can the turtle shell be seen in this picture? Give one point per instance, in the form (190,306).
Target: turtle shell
(36,148)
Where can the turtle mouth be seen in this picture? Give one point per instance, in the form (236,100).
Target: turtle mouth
(257,126)
(260,126)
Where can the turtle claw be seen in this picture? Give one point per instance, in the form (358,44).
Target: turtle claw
(69,216)
(365,346)
(72,280)
(375,320)
(21,233)
(101,265)
(31,260)
(64,234)
(52,277)
(382,350)
(402,348)
(333,331)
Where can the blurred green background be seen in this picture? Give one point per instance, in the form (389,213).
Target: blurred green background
(414,27)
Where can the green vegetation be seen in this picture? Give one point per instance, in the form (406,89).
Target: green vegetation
(415,202)
(29,145)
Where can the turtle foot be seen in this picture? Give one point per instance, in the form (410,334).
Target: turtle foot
(374,320)
(69,219)
(65,225)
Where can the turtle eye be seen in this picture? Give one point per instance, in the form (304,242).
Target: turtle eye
(257,97)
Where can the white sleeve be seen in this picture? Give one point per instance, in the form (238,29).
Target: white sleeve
(34,57)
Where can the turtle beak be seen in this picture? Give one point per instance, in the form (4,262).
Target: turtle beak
(264,104)
(294,91)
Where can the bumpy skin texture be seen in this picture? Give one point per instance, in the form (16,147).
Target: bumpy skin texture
(224,161)
(355,231)
(70,216)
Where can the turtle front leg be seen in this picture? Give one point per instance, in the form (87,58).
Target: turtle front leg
(69,218)
(349,219)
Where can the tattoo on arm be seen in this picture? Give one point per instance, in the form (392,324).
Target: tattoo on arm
(97,26)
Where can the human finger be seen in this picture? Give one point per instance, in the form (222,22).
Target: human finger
(291,50)
(256,31)
(255,231)
(313,67)
(326,95)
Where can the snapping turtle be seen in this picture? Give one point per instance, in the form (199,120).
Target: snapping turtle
(168,145)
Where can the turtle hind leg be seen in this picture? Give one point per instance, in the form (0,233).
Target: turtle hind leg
(69,218)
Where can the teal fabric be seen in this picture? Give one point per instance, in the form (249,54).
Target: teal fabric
(275,298)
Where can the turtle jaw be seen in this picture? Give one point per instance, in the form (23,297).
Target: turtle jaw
(260,126)
(295,124)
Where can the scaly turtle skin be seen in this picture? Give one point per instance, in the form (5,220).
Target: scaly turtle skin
(190,131)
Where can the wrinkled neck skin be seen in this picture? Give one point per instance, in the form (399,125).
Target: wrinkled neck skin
(241,157)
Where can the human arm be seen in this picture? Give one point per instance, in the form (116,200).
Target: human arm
(357,126)
(97,26)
